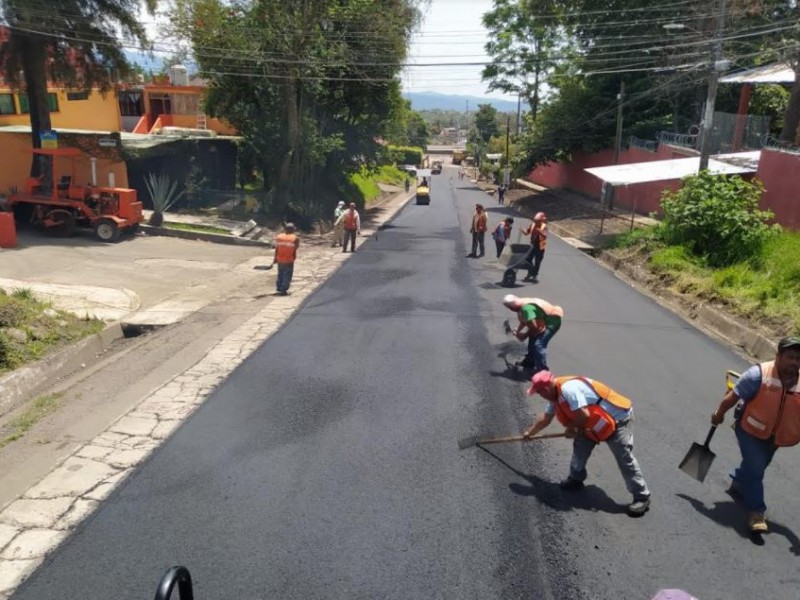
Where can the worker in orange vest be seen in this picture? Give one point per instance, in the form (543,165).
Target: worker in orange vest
(286,245)
(352,227)
(478,231)
(592,413)
(767,397)
(538,232)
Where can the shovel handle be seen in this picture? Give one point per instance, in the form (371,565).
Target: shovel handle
(709,436)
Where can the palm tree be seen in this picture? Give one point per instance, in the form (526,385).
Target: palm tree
(70,42)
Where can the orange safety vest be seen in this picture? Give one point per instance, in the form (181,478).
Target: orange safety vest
(285,248)
(479,222)
(542,235)
(600,425)
(350,220)
(774,411)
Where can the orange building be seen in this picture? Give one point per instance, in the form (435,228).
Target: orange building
(144,108)
(69,109)
(168,101)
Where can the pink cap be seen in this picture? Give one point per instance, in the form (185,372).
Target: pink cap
(540,216)
(539,381)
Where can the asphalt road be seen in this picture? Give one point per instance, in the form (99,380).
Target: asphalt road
(327,466)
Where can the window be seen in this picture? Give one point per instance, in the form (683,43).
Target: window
(52,103)
(7,104)
(77,96)
(131,103)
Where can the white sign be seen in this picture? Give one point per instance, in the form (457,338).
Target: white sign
(107,143)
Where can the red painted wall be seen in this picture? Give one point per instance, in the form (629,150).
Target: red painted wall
(645,196)
(780,173)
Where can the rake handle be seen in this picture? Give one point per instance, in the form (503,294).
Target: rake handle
(521,438)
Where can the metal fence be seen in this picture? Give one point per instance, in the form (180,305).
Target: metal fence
(646,145)
(774,143)
(729,133)
(685,140)
(737,133)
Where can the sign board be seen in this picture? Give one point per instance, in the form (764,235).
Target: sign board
(107,143)
(49,139)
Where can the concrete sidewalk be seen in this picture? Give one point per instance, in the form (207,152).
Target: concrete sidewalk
(37,521)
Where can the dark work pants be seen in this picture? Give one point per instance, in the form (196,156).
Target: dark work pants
(478,242)
(500,246)
(349,236)
(285,272)
(534,258)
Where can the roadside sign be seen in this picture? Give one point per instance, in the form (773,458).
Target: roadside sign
(107,143)
(49,139)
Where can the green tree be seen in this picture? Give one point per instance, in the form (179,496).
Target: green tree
(71,42)
(408,127)
(486,122)
(310,84)
(525,38)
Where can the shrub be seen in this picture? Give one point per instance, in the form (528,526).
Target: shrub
(405,155)
(717,218)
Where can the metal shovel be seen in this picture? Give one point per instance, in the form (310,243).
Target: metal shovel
(698,460)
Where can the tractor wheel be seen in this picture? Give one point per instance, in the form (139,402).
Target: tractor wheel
(106,230)
(59,223)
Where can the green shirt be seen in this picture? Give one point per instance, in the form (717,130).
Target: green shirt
(534,312)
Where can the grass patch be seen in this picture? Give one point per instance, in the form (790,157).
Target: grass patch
(196,228)
(765,289)
(391,175)
(30,328)
(367,181)
(22,423)
(366,184)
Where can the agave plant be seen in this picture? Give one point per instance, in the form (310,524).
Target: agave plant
(164,193)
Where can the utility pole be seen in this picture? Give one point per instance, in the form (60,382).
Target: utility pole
(508,135)
(708,119)
(618,141)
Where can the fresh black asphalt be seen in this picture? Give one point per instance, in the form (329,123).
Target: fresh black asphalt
(327,465)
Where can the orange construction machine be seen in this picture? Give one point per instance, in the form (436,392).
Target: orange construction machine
(110,211)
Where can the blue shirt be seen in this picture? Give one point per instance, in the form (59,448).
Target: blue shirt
(749,382)
(579,394)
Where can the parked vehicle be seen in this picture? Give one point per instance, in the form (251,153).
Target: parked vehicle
(109,211)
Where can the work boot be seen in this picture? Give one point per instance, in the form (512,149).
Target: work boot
(571,485)
(638,507)
(734,492)
(526,363)
(757,523)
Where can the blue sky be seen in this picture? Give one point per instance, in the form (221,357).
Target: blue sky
(451,32)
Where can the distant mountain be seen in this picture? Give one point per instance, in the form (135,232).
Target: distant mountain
(434,100)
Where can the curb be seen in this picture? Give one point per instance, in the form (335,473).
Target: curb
(105,461)
(201,236)
(704,317)
(22,383)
